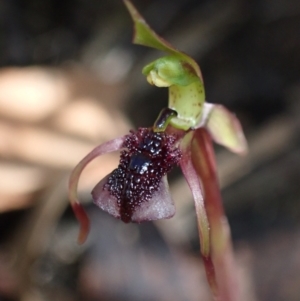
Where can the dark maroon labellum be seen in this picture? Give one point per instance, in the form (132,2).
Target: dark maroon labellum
(147,158)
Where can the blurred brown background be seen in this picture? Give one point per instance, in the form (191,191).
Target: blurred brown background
(70,78)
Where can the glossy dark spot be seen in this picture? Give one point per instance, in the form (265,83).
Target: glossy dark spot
(139,163)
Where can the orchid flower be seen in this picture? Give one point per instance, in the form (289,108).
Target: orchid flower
(137,190)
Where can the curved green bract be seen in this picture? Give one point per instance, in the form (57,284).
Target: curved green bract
(172,70)
(145,36)
(177,71)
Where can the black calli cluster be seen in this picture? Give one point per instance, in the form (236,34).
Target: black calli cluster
(147,157)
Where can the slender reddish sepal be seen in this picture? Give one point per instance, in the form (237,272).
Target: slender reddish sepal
(79,212)
(83,220)
(221,253)
(192,179)
(210,275)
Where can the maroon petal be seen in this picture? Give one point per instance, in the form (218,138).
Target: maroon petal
(160,206)
(105,200)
